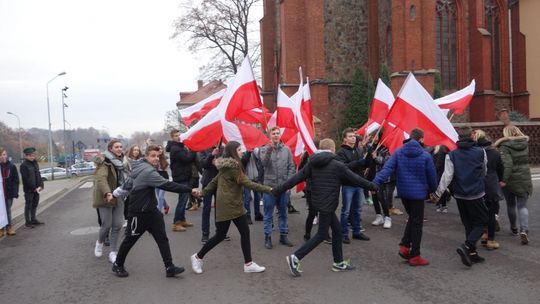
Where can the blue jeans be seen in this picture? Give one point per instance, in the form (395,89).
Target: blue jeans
(352,201)
(256,200)
(270,203)
(207,208)
(160,194)
(180,212)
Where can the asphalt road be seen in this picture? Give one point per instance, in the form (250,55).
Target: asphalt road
(54,263)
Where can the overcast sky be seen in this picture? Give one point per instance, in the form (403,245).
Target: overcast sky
(123,71)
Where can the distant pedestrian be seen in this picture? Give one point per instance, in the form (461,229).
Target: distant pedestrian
(327,174)
(110,173)
(516,182)
(416,179)
(32,186)
(162,167)
(228,186)
(143,214)
(10,182)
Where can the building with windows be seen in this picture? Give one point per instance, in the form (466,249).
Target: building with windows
(461,40)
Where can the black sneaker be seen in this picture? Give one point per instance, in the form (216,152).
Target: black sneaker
(346,240)
(342,266)
(258,218)
(204,239)
(294,265)
(514,231)
(361,237)
(293,210)
(463,252)
(328,241)
(119,271)
(227,238)
(172,271)
(524,238)
(475,258)
(249,221)
(36,222)
(29,225)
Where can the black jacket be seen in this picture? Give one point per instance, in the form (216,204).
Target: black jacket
(327,175)
(495,171)
(182,161)
(11,180)
(30,176)
(209,169)
(142,184)
(353,158)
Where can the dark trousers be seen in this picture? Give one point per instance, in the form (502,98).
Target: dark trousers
(221,232)
(380,202)
(474,216)
(180,211)
(493,209)
(137,225)
(326,221)
(207,209)
(31,201)
(312,213)
(412,236)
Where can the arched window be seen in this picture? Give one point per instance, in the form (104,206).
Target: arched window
(493,25)
(447,42)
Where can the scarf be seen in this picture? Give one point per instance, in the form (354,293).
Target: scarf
(118,165)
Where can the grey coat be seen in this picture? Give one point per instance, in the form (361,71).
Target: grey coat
(278,164)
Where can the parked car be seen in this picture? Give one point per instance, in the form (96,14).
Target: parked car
(83,168)
(58,173)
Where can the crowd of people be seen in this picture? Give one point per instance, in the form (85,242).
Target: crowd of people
(129,191)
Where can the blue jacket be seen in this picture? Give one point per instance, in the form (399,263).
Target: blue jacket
(415,172)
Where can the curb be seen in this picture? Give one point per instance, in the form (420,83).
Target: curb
(18,221)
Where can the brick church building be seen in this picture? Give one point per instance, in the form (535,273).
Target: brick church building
(460,39)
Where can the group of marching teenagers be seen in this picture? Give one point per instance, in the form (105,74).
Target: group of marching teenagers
(426,161)
(477,174)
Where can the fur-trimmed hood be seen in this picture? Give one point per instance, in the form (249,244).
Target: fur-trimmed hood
(524,138)
(227,162)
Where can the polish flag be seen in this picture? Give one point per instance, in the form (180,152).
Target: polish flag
(414,108)
(458,101)
(201,108)
(392,137)
(306,109)
(369,127)
(241,96)
(382,102)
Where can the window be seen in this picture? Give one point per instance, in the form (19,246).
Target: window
(493,26)
(447,42)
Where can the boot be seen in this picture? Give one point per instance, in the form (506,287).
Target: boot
(186,224)
(11,231)
(268,242)
(194,207)
(285,241)
(492,244)
(178,227)
(2,232)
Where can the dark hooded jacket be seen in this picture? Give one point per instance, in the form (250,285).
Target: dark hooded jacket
(11,180)
(327,174)
(495,171)
(353,158)
(182,161)
(142,184)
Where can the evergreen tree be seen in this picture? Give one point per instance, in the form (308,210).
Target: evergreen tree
(357,107)
(437,86)
(385,74)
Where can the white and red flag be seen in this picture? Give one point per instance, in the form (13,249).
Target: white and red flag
(242,95)
(414,108)
(306,109)
(458,101)
(380,106)
(201,108)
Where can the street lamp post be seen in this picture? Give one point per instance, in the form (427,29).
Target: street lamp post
(64,106)
(50,131)
(20,130)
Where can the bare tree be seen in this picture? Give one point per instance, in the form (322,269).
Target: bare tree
(222,29)
(174,121)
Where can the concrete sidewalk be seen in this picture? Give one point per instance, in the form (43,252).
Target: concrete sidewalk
(52,191)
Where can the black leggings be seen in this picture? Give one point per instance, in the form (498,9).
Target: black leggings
(380,201)
(493,208)
(221,232)
(311,214)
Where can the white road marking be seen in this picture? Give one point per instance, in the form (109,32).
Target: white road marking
(87,185)
(535,177)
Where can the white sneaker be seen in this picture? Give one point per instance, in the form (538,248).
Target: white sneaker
(253,267)
(98,250)
(196,264)
(112,257)
(379,220)
(125,224)
(387,222)
(315,221)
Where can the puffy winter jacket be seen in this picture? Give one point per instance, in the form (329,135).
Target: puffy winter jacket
(278,164)
(515,157)
(327,174)
(495,171)
(11,180)
(30,176)
(415,171)
(182,161)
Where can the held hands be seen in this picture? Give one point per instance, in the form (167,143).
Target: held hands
(38,189)
(196,192)
(434,197)
(109,197)
(502,184)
